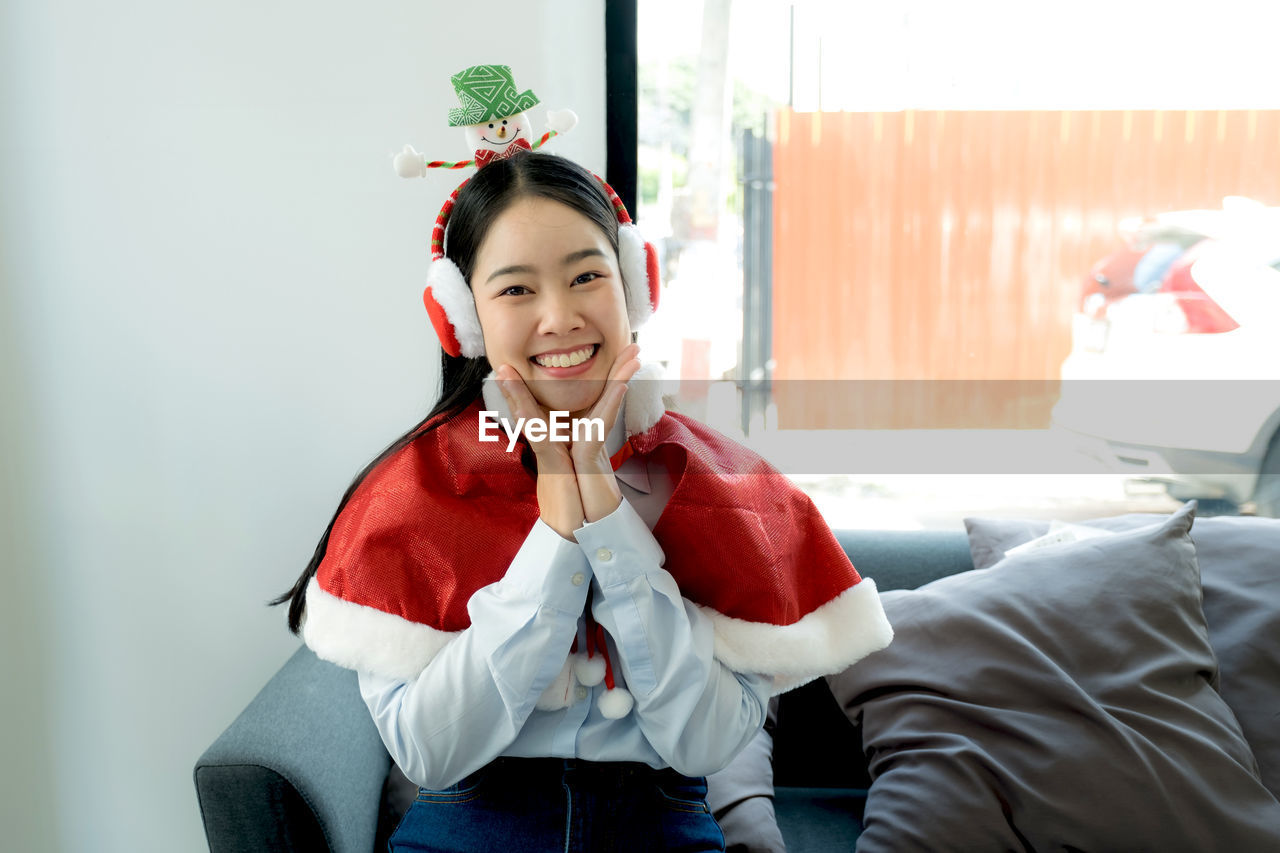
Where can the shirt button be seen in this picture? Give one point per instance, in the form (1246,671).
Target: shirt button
(578,579)
(604,554)
(581,693)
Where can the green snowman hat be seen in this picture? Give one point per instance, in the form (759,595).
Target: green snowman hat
(487,92)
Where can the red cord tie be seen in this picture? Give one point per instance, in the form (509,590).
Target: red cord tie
(615,702)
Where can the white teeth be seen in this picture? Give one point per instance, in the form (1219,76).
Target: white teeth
(563,360)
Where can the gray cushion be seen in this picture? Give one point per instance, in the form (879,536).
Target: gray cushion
(1061,699)
(1240,573)
(820,819)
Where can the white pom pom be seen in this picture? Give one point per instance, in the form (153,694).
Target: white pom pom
(590,671)
(616,703)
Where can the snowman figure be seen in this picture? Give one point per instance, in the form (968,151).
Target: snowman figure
(494,116)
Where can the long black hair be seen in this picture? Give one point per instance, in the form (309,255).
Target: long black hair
(491,191)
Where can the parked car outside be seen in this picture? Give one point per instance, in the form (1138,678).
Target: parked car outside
(1177,379)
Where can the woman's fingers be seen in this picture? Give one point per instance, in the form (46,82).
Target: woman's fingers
(607,406)
(519,398)
(610,402)
(559,504)
(624,367)
(626,364)
(524,405)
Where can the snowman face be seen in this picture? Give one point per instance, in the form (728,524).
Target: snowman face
(496,135)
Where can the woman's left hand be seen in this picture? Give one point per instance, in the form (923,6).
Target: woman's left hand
(597,485)
(591,456)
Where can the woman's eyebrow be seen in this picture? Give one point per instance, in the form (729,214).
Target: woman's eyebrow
(517,268)
(574,257)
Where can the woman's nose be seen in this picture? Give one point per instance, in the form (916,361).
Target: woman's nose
(559,314)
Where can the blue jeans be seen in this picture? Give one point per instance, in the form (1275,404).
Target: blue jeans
(545,804)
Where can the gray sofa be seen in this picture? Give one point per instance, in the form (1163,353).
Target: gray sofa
(302,768)
(1114,688)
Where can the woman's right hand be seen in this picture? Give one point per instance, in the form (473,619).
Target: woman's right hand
(559,502)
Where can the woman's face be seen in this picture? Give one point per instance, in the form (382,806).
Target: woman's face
(549,296)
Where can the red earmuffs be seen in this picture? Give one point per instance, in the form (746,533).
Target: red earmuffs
(453,309)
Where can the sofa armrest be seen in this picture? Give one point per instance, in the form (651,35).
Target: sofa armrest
(301,768)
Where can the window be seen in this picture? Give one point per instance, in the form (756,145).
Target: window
(937,260)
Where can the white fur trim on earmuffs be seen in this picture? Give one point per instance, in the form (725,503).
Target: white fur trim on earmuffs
(367,639)
(634,265)
(450,290)
(831,638)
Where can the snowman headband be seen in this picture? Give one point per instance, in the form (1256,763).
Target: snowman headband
(452,306)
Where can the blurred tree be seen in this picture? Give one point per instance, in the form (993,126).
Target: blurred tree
(709,122)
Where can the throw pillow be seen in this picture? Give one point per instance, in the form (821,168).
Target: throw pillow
(1058,700)
(1240,573)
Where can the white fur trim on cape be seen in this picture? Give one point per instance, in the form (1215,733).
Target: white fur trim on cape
(367,639)
(559,693)
(844,630)
(450,290)
(635,274)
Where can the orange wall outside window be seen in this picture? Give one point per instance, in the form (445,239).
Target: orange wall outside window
(952,245)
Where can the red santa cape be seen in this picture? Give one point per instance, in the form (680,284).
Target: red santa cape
(446,514)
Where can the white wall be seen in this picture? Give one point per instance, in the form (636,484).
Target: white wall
(211,320)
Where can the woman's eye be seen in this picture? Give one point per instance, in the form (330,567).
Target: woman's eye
(515,290)
(586,278)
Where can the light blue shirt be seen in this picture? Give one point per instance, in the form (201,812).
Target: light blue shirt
(477,699)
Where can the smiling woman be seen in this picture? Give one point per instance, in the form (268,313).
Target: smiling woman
(553,632)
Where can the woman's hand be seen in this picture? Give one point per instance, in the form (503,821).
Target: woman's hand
(575,480)
(558,501)
(597,486)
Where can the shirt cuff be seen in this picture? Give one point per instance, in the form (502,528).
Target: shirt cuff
(619,546)
(548,569)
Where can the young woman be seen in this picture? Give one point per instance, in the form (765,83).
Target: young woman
(557,639)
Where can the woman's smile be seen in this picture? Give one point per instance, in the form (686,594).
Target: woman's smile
(567,362)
